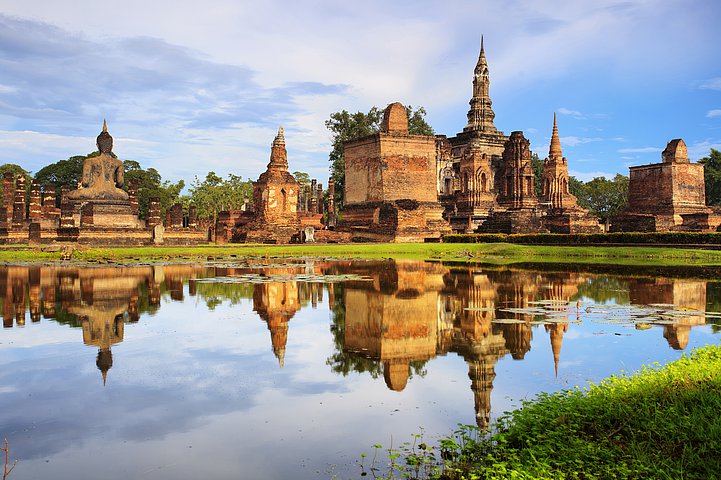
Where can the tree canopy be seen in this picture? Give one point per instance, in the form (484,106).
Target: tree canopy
(347,126)
(215,194)
(712,177)
(602,197)
(150,184)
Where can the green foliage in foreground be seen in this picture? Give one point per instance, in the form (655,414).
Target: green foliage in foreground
(658,423)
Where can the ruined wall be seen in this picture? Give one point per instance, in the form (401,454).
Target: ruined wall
(387,167)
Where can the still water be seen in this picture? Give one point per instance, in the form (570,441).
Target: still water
(261,370)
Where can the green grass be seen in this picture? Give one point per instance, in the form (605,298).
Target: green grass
(660,423)
(493,253)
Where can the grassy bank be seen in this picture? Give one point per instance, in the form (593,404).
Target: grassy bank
(660,423)
(495,253)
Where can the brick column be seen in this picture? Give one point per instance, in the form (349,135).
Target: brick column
(35,201)
(153,217)
(133,194)
(19,203)
(8,197)
(192,217)
(86,215)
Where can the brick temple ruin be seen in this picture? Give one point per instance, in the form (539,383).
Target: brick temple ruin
(399,187)
(667,196)
(402,187)
(98,212)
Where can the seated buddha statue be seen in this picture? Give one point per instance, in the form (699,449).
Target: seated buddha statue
(103,175)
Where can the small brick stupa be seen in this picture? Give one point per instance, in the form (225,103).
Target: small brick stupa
(275,200)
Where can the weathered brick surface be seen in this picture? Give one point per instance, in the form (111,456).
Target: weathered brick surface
(665,191)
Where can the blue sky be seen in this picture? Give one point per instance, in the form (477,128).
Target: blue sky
(189,86)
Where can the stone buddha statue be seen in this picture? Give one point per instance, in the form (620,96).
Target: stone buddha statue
(103,176)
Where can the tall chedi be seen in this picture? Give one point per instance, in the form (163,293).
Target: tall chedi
(564,215)
(480,116)
(554,180)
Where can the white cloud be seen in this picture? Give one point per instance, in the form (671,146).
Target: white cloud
(573,113)
(702,148)
(572,141)
(588,176)
(711,84)
(713,113)
(640,150)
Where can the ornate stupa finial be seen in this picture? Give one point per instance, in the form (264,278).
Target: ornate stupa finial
(554,151)
(481,115)
(278,154)
(280,138)
(104,140)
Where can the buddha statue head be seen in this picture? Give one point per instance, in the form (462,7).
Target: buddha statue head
(105,141)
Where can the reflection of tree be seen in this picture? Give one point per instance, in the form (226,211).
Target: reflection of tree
(713,295)
(604,289)
(215,293)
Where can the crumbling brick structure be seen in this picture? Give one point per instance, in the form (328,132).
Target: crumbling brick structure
(662,195)
(390,191)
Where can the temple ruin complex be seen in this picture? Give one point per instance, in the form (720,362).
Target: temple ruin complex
(98,212)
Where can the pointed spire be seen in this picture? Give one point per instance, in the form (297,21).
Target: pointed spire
(481,58)
(280,138)
(554,151)
(105,126)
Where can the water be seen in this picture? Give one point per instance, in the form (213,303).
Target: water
(293,370)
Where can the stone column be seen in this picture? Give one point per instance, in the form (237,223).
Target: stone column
(64,190)
(153,217)
(331,203)
(48,201)
(35,201)
(192,216)
(313,199)
(19,203)
(8,197)
(133,194)
(86,215)
(66,215)
(175,215)
(34,233)
(319,196)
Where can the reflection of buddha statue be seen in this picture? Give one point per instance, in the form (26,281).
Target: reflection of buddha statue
(102,175)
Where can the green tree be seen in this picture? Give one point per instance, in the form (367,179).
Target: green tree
(575,187)
(712,177)
(537,166)
(347,126)
(605,198)
(16,170)
(302,178)
(63,172)
(150,184)
(213,194)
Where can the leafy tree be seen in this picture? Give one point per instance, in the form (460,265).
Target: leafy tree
(16,170)
(150,184)
(302,178)
(63,172)
(537,166)
(347,126)
(213,194)
(712,177)
(605,198)
(575,186)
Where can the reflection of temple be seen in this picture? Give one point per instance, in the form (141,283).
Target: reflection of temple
(276,303)
(682,294)
(98,300)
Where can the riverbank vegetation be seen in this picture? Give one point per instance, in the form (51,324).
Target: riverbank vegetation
(659,423)
(490,253)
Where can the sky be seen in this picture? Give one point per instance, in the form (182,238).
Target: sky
(188,87)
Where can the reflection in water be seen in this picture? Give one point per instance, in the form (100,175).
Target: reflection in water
(388,319)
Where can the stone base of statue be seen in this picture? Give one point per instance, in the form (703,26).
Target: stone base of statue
(105,213)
